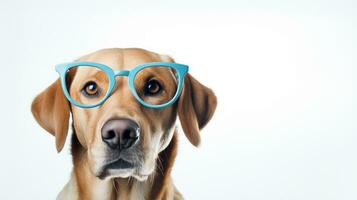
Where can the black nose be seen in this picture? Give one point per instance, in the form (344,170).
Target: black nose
(120,133)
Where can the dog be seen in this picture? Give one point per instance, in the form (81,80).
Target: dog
(144,170)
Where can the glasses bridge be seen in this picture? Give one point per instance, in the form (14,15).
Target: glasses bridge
(121,73)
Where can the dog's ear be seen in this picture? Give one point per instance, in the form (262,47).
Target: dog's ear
(51,110)
(195,108)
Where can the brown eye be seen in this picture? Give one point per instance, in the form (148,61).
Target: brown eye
(90,89)
(152,88)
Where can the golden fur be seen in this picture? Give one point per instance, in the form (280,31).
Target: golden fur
(194,108)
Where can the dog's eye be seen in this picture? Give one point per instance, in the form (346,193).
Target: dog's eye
(152,87)
(90,89)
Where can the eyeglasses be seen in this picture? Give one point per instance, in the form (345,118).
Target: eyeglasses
(154,85)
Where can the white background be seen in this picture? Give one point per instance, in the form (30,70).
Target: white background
(284,73)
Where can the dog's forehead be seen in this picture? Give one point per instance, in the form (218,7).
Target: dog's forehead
(122,59)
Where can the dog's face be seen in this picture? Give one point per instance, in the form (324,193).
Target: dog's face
(122,115)
(121,137)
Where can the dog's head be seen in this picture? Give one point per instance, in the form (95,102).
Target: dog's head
(121,137)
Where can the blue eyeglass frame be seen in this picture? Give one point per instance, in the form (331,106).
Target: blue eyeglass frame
(63,68)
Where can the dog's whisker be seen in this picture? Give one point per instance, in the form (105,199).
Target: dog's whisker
(160,166)
(115,186)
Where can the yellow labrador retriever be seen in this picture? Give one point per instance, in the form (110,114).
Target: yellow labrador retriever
(122,149)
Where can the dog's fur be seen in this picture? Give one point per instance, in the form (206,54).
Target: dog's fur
(158,139)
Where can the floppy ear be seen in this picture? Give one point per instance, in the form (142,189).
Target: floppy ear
(195,108)
(51,110)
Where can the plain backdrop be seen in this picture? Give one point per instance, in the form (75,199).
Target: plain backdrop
(284,73)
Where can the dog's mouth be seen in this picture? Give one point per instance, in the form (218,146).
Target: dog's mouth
(117,168)
(119,164)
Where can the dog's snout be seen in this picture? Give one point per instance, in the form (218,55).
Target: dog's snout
(120,133)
